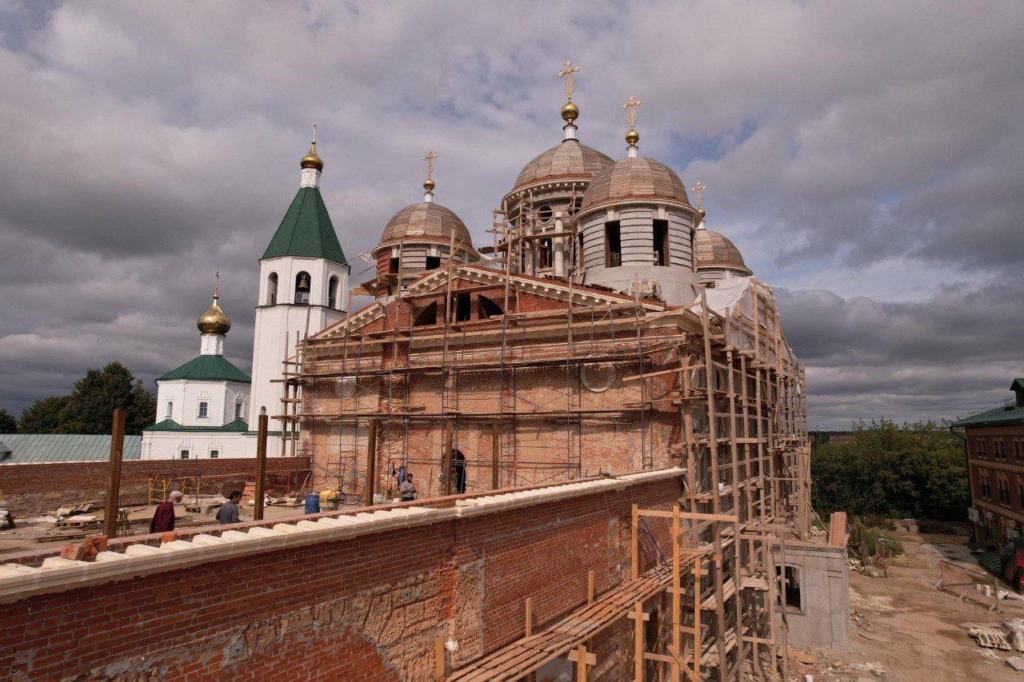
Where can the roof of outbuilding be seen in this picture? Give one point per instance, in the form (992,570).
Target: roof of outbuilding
(237,426)
(426,219)
(569,159)
(1000,415)
(635,178)
(35,448)
(715,250)
(208,368)
(306,230)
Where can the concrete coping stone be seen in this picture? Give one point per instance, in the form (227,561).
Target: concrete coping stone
(236,536)
(178,545)
(110,556)
(143,550)
(50,563)
(261,532)
(290,528)
(310,525)
(205,540)
(10,570)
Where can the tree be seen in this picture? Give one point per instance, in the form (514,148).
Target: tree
(917,470)
(90,407)
(8,424)
(42,416)
(98,393)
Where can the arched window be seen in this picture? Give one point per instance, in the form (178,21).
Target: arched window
(427,316)
(458,473)
(488,308)
(332,292)
(272,289)
(302,286)
(544,214)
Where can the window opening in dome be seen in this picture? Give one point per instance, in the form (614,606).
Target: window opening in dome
(661,242)
(302,286)
(204,410)
(170,409)
(612,244)
(427,316)
(393,266)
(332,292)
(214,454)
(433,262)
(576,205)
(579,250)
(184,454)
(272,289)
(544,254)
(544,214)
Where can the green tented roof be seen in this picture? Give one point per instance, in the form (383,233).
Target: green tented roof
(209,368)
(237,426)
(1000,415)
(306,230)
(32,448)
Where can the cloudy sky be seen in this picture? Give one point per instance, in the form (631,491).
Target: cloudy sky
(867,158)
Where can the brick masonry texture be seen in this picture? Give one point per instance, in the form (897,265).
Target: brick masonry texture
(364,608)
(33,489)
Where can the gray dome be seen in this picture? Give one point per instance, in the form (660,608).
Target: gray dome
(426,219)
(635,178)
(715,250)
(567,160)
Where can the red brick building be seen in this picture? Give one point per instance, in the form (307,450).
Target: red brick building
(995,459)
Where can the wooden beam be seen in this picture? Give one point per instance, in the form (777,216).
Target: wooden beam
(371,463)
(529,616)
(638,617)
(261,467)
(439,663)
(114,473)
(446,459)
(583,660)
(495,457)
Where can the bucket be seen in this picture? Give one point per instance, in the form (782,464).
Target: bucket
(312,503)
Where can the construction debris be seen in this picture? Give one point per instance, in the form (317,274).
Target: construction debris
(991,638)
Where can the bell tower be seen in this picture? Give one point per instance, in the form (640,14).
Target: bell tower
(303,281)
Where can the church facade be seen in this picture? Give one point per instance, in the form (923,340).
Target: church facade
(205,407)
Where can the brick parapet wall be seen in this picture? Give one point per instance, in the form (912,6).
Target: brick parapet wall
(362,608)
(33,489)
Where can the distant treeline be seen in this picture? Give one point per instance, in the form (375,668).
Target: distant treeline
(90,407)
(914,470)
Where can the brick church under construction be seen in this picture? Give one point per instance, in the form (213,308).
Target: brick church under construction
(608,434)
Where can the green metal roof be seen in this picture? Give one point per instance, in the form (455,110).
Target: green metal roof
(237,426)
(306,230)
(1000,415)
(33,448)
(208,368)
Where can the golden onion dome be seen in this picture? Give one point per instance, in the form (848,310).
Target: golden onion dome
(213,321)
(312,159)
(570,112)
(632,137)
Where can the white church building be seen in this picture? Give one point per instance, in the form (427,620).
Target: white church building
(208,408)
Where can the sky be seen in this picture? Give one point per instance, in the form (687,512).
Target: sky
(867,159)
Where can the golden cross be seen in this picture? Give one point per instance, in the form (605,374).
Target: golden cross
(567,73)
(429,158)
(631,106)
(314,132)
(216,284)
(699,189)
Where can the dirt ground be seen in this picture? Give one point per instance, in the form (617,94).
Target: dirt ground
(905,629)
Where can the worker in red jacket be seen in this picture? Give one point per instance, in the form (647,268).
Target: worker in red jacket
(163,519)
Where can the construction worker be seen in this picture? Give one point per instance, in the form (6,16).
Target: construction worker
(163,519)
(407,489)
(228,512)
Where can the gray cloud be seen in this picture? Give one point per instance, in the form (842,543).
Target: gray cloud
(147,145)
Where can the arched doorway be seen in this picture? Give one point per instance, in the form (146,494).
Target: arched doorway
(458,472)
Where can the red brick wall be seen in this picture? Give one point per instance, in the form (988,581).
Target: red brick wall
(365,608)
(33,489)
